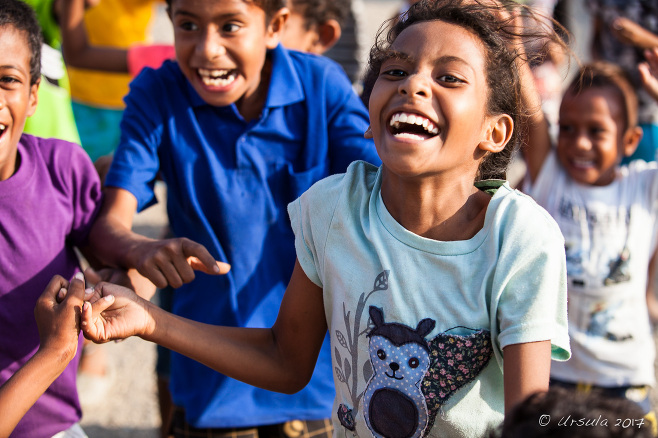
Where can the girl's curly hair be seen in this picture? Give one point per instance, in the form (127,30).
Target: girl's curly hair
(493,23)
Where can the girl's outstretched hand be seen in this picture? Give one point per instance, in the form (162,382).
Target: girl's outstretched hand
(114,312)
(649,72)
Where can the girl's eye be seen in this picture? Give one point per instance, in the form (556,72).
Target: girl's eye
(394,73)
(450,79)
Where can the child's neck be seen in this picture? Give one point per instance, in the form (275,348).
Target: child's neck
(445,212)
(10,165)
(251,106)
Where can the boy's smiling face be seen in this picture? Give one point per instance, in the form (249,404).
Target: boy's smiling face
(592,138)
(18,99)
(221,48)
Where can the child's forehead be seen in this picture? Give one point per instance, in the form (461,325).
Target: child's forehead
(608,93)
(217,6)
(10,34)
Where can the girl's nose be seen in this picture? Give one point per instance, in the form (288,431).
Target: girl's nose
(415,85)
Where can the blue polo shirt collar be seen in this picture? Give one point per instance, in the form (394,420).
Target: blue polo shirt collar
(285,85)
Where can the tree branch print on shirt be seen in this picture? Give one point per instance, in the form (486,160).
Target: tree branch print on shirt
(344,368)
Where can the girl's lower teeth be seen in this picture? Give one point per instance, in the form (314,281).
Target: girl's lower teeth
(410,136)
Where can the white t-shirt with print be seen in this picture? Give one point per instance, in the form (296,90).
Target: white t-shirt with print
(610,235)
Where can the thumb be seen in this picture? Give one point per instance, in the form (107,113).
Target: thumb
(92,276)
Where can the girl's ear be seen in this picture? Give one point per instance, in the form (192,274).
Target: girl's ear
(498,133)
(275,27)
(631,139)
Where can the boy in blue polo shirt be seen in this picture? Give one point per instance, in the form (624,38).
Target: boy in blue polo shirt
(238,127)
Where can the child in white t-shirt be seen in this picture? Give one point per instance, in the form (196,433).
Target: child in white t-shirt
(608,216)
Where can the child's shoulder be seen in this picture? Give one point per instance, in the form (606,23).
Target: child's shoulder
(517,212)
(358,180)
(51,147)
(637,167)
(312,68)
(60,157)
(165,76)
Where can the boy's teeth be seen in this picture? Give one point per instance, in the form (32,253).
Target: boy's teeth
(413,119)
(216,78)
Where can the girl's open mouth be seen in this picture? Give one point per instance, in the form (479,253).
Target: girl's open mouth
(3,128)
(412,126)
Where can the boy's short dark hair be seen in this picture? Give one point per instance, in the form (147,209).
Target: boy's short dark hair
(21,17)
(316,12)
(601,74)
(269,6)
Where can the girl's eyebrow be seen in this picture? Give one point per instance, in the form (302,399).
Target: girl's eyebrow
(12,67)
(394,55)
(391,54)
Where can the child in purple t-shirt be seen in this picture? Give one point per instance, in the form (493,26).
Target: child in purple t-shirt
(49,196)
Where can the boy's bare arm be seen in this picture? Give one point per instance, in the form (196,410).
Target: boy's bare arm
(164,262)
(281,358)
(526,369)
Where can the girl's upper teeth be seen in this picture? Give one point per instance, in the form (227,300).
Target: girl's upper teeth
(2,127)
(414,119)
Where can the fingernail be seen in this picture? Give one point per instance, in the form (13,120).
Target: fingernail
(216,269)
(109,298)
(85,306)
(89,291)
(79,276)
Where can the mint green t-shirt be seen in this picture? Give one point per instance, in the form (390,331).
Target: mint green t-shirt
(418,326)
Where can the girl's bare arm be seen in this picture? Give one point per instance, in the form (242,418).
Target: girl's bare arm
(281,358)
(526,369)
